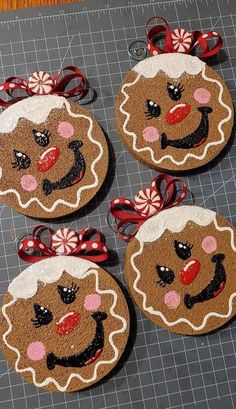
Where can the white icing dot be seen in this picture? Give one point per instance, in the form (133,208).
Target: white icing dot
(155,52)
(105,249)
(19,154)
(11,85)
(171,86)
(127,201)
(180,245)
(38,134)
(213,32)
(64,289)
(162,268)
(83,246)
(94,245)
(41,245)
(151,103)
(30,243)
(69,291)
(41,308)
(116,201)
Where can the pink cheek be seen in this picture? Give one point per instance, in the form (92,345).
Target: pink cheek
(36,351)
(28,183)
(92,302)
(172,299)
(151,134)
(65,129)
(209,244)
(202,95)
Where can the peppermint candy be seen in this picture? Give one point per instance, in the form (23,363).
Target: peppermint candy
(147,202)
(64,241)
(40,83)
(181,40)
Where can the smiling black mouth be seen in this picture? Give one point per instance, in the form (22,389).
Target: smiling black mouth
(193,140)
(74,175)
(214,288)
(89,355)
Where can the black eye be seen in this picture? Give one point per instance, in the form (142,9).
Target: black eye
(183,250)
(165,274)
(174,91)
(42,316)
(21,160)
(153,110)
(68,294)
(41,138)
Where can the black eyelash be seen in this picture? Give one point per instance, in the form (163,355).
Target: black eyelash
(41,138)
(153,109)
(165,274)
(175,91)
(183,250)
(68,294)
(42,316)
(21,160)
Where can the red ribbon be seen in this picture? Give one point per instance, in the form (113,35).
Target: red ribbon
(41,83)
(181,40)
(146,204)
(87,243)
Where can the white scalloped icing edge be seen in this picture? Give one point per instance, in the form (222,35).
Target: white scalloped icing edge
(82,188)
(53,269)
(182,224)
(170,157)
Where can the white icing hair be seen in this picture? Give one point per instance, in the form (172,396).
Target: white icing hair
(48,271)
(36,109)
(175,220)
(173,65)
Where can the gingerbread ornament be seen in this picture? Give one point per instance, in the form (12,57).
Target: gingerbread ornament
(64,320)
(54,155)
(173,111)
(179,265)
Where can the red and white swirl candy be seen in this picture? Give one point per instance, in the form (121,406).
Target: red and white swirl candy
(64,241)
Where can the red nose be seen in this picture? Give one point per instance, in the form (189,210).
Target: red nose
(48,159)
(189,271)
(68,323)
(177,113)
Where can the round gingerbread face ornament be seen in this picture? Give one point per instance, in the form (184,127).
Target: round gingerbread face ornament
(180,269)
(174,112)
(54,156)
(64,324)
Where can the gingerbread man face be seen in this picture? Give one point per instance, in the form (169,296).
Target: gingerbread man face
(53,156)
(180,269)
(174,112)
(65,324)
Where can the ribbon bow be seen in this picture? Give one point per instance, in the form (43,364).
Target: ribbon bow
(147,203)
(41,83)
(88,243)
(180,40)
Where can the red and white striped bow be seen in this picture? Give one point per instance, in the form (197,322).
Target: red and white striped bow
(181,40)
(147,203)
(88,243)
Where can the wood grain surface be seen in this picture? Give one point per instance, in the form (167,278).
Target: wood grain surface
(17,4)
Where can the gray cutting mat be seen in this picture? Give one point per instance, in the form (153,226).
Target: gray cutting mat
(159,370)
